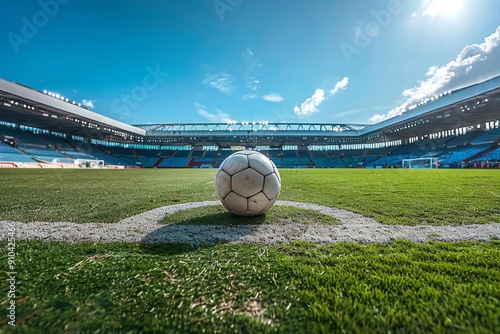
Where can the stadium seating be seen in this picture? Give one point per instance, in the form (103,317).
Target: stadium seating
(391,161)
(454,157)
(174,162)
(4,148)
(148,162)
(491,156)
(456,141)
(452,151)
(15,157)
(488,137)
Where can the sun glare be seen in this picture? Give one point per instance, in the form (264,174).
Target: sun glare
(444,8)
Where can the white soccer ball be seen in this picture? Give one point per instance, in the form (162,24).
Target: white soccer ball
(247,183)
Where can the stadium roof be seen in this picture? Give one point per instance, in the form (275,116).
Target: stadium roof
(466,107)
(27,106)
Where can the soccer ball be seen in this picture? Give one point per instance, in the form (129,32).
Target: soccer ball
(247,183)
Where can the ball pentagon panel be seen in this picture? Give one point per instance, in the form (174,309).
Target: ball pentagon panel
(272,186)
(236,202)
(234,165)
(258,202)
(247,183)
(261,164)
(225,184)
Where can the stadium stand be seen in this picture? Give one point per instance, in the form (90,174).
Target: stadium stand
(445,130)
(174,162)
(10,154)
(462,140)
(492,155)
(459,156)
(452,152)
(491,136)
(391,161)
(4,148)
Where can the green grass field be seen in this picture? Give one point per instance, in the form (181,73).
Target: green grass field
(297,287)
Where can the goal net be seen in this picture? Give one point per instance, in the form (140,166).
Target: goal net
(420,163)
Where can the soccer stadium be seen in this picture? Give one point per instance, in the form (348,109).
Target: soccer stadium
(458,129)
(159,172)
(179,262)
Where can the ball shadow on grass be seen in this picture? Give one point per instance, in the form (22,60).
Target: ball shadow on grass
(213,224)
(204,226)
(216,215)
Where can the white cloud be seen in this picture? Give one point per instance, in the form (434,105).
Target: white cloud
(218,117)
(357,111)
(475,63)
(248,77)
(377,118)
(273,97)
(251,74)
(88,103)
(342,84)
(310,105)
(443,8)
(249,96)
(223,81)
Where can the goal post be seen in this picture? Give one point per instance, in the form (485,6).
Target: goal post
(429,163)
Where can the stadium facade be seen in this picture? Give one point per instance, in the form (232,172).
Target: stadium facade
(458,128)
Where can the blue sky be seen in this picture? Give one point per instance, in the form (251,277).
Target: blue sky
(332,61)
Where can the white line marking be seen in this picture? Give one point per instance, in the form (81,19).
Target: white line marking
(144,227)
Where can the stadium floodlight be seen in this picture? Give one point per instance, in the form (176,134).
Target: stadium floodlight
(45,91)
